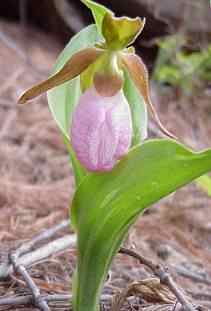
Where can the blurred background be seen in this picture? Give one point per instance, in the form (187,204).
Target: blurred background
(36,183)
(62,19)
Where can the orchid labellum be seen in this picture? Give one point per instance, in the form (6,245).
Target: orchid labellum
(101,129)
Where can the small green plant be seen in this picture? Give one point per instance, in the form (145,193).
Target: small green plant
(98,94)
(188,71)
(204,183)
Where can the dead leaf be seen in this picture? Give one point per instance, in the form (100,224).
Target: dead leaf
(151,290)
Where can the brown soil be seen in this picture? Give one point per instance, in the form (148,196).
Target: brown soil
(36,184)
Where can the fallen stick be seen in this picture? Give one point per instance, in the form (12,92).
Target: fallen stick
(28,299)
(164,276)
(36,296)
(29,259)
(24,259)
(46,234)
(18,263)
(192,275)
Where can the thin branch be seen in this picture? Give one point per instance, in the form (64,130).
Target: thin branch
(164,276)
(37,298)
(29,259)
(24,258)
(193,276)
(16,300)
(49,249)
(200,295)
(28,299)
(46,234)
(175,305)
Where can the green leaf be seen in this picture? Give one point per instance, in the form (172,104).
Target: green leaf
(138,110)
(204,182)
(121,32)
(105,206)
(63,98)
(98,12)
(79,171)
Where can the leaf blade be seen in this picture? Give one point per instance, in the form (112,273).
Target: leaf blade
(204,182)
(138,111)
(63,99)
(119,197)
(98,11)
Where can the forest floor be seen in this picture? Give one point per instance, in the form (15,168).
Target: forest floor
(36,185)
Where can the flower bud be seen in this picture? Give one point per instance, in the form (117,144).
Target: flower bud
(101,130)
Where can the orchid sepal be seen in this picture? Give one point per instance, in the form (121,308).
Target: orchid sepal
(73,68)
(139,74)
(120,32)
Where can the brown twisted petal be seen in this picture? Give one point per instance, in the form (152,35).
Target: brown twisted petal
(74,67)
(140,77)
(107,85)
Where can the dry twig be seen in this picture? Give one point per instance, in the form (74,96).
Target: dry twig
(46,234)
(18,264)
(50,299)
(24,257)
(34,257)
(150,290)
(164,276)
(37,298)
(193,276)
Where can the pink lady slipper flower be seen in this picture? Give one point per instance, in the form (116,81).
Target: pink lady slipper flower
(101,130)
